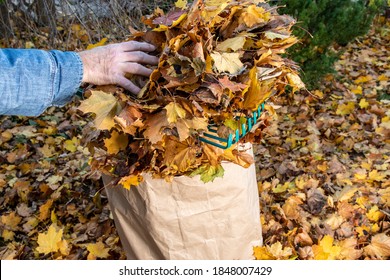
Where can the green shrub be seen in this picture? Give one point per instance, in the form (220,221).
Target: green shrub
(324,26)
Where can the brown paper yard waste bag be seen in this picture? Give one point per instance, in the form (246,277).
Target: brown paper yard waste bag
(189,219)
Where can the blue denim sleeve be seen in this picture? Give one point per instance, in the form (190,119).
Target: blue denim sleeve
(33,80)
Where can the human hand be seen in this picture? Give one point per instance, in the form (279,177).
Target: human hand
(109,64)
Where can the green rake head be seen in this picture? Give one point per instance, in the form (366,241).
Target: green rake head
(211,137)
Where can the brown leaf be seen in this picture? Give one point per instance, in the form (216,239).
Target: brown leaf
(154,125)
(349,249)
(11,221)
(379,247)
(303,239)
(315,200)
(170,17)
(291,207)
(180,156)
(44,210)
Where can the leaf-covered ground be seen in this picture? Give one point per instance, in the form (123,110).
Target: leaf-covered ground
(323,167)
(323,172)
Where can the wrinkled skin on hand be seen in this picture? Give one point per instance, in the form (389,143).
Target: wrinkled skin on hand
(110,64)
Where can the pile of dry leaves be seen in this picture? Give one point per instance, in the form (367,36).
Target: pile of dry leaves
(218,62)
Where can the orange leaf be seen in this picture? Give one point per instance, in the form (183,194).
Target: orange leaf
(257,92)
(44,210)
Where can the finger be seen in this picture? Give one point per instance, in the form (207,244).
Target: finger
(140,57)
(137,46)
(127,84)
(136,69)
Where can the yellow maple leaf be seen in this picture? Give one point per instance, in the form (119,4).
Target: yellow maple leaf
(375,228)
(363,79)
(71,144)
(227,62)
(357,90)
(362,230)
(362,201)
(261,253)
(254,15)
(360,176)
(8,235)
(51,241)
(345,109)
(102,42)
(374,175)
(104,105)
(374,214)
(50,130)
(64,247)
(325,249)
(363,103)
(300,182)
(98,250)
(182,4)
(117,142)
(318,94)
(175,111)
(131,180)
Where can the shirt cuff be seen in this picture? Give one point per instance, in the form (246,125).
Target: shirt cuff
(68,76)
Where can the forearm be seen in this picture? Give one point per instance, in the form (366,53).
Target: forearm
(33,80)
